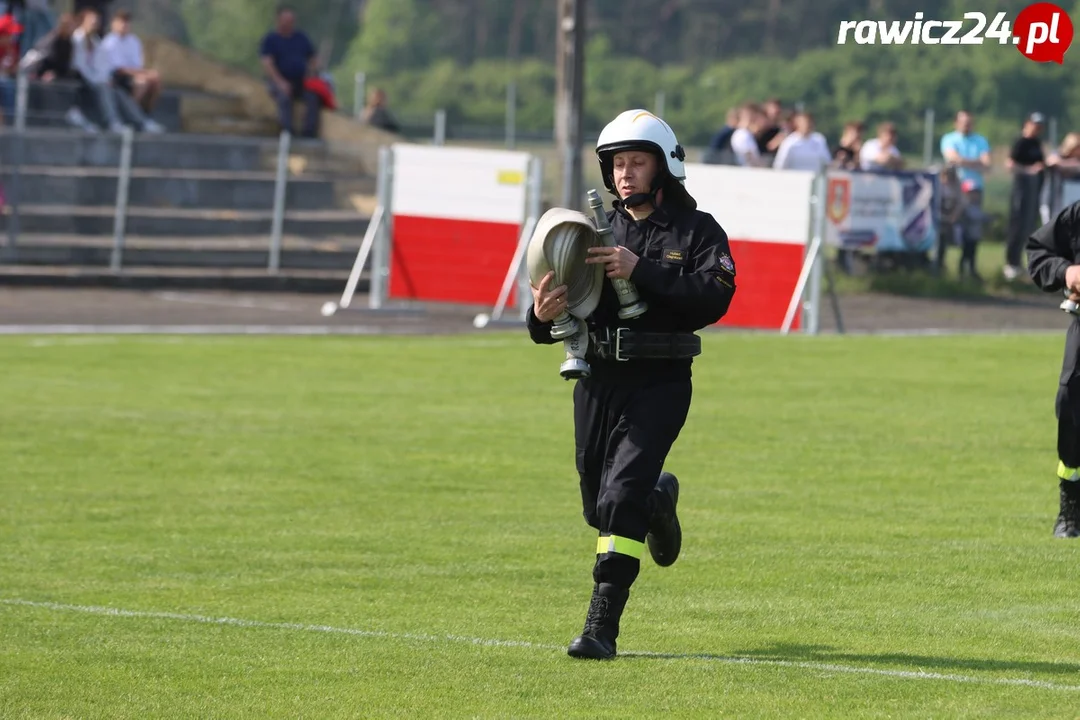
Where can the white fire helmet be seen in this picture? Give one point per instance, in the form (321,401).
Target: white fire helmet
(640,130)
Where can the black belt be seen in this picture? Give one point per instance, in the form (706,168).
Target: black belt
(622,344)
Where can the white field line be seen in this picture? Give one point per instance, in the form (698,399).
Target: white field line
(466,330)
(203,330)
(443,639)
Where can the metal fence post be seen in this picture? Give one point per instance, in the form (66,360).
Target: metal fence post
(279,201)
(813,305)
(928,137)
(123,181)
(380,264)
(660,97)
(511,115)
(358,99)
(22,90)
(22,96)
(535,210)
(440,127)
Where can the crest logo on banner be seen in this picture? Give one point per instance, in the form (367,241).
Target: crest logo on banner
(838,199)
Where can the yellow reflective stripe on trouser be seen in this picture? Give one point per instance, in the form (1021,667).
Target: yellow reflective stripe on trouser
(1068,473)
(620,545)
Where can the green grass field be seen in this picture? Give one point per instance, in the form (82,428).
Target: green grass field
(389,527)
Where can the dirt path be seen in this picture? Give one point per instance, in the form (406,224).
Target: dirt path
(228,312)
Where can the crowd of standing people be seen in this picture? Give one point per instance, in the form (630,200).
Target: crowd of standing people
(767,135)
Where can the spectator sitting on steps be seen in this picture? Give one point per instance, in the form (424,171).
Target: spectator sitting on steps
(101,7)
(95,69)
(376,113)
(288,57)
(129,73)
(51,59)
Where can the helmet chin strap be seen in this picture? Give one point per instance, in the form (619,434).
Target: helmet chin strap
(639,199)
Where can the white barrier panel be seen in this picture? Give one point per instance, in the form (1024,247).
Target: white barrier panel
(456,216)
(766,214)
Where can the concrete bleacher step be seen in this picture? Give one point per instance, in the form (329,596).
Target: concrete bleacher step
(197,222)
(152,278)
(48,102)
(206,189)
(73,148)
(230,125)
(297,253)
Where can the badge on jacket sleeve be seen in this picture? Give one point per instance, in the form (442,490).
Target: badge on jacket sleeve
(726,263)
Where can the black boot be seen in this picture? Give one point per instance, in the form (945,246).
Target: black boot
(1068,519)
(597,640)
(665,533)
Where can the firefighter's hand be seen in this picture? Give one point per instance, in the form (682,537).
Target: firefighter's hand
(619,262)
(1072,278)
(548,304)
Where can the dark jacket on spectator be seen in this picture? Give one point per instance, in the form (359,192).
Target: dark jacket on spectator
(56,53)
(381,118)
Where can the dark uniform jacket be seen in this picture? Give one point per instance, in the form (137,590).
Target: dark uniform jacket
(1051,250)
(684,273)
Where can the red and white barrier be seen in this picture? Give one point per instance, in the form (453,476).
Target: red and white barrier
(767,215)
(451,226)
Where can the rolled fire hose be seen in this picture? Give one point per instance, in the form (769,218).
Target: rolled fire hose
(560,243)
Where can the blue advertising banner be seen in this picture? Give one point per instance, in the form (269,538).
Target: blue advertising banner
(883,211)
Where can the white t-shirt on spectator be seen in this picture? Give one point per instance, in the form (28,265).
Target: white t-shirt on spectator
(870,150)
(802,153)
(743,142)
(123,52)
(89,59)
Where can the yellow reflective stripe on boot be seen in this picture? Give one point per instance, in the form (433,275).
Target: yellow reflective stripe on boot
(620,545)
(1068,473)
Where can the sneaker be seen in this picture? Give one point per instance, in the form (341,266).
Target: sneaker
(598,640)
(1068,519)
(151,126)
(1011,272)
(75,117)
(117,128)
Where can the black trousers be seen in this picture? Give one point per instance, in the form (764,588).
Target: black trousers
(972,229)
(623,433)
(1067,403)
(1067,407)
(1023,215)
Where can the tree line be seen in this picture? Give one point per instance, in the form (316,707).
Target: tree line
(705,55)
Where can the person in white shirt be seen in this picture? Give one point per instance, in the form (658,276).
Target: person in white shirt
(803,149)
(93,65)
(744,142)
(129,73)
(880,153)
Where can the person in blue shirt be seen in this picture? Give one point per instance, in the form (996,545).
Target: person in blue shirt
(969,153)
(288,57)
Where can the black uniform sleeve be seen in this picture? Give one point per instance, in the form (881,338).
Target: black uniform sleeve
(703,292)
(1049,249)
(540,332)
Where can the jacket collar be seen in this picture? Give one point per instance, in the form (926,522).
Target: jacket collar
(659,216)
